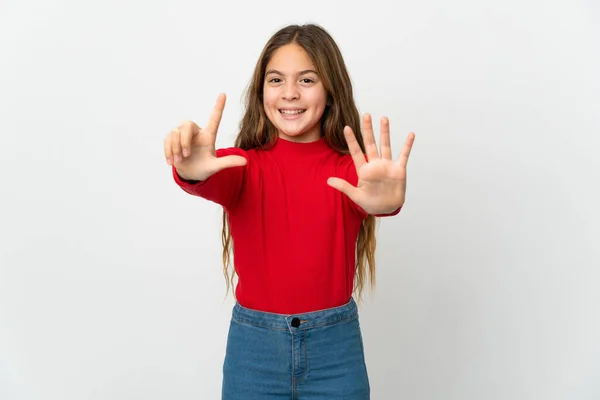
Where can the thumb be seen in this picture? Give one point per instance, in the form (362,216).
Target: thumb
(344,187)
(229,162)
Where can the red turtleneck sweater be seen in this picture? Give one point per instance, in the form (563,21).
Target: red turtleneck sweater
(294,236)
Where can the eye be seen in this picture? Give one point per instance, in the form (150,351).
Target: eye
(274,80)
(307,80)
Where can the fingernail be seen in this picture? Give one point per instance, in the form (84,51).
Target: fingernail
(177,159)
(186,152)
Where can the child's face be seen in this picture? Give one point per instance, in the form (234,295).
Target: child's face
(294,96)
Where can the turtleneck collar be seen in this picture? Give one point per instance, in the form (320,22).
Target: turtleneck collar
(289,147)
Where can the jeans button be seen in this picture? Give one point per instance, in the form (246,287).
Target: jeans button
(295,322)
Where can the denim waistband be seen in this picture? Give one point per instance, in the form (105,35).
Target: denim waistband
(284,322)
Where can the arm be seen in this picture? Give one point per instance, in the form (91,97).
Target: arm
(224,187)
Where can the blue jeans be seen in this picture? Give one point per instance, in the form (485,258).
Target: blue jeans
(309,356)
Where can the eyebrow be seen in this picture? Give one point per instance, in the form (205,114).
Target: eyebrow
(306,71)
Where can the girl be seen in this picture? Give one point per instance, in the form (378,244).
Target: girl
(300,192)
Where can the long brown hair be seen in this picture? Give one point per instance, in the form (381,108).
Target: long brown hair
(256,131)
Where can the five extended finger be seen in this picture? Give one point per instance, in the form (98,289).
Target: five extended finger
(369,137)
(405,153)
(384,139)
(345,187)
(355,151)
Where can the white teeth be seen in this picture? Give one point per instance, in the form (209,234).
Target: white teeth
(291,112)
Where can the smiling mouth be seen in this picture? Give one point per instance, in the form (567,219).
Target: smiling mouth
(291,112)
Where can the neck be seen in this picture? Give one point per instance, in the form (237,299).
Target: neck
(307,137)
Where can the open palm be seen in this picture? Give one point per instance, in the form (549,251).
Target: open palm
(381,186)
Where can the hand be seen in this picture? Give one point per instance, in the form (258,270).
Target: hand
(381,187)
(191,149)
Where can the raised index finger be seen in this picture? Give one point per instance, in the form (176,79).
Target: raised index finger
(215,116)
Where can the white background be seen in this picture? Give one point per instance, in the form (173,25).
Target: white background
(488,280)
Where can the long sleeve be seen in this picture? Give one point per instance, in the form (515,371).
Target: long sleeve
(225,187)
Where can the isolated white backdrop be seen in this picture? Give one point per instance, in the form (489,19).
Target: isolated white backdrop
(488,280)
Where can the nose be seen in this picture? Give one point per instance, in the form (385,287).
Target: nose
(290,91)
